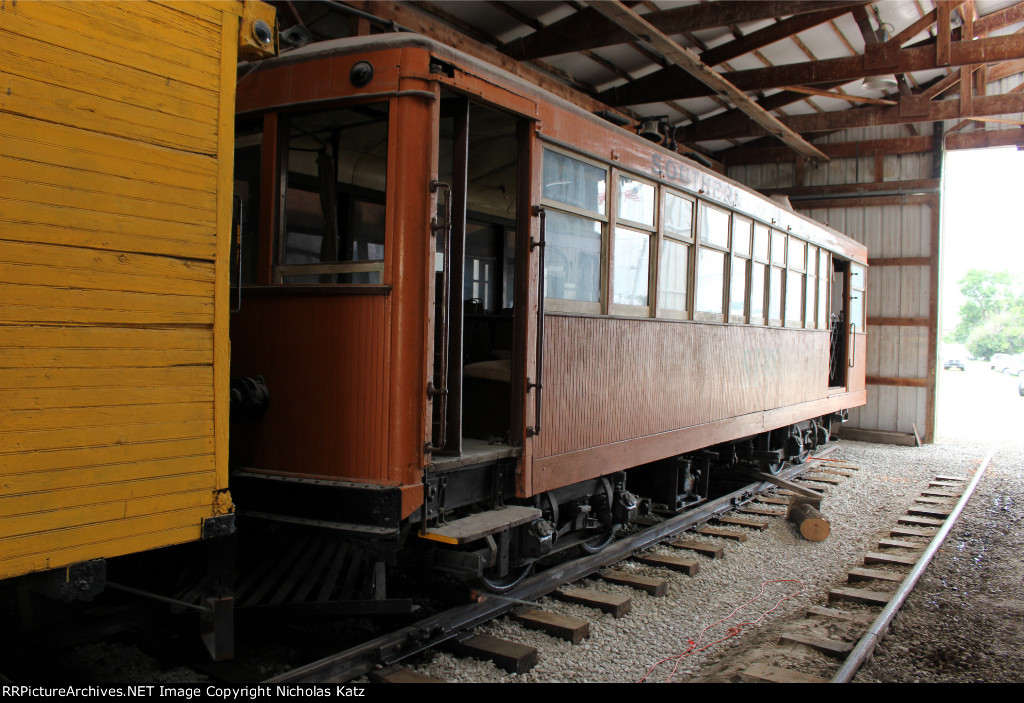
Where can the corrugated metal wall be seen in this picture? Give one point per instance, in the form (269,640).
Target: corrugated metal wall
(899,225)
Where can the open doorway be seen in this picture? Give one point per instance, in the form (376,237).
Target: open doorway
(982,296)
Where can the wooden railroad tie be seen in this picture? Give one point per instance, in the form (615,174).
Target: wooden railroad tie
(399,674)
(858,595)
(651,585)
(833,648)
(725,534)
(742,522)
(772,500)
(570,629)
(823,479)
(708,550)
(919,521)
(898,543)
(777,674)
(929,512)
(939,493)
(753,510)
(957,479)
(842,465)
(513,657)
(690,567)
(837,472)
(862,574)
(897,559)
(911,532)
(614,603)
(923,500)
(942,484)
(859,618)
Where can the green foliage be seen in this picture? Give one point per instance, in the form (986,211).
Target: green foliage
(992,318)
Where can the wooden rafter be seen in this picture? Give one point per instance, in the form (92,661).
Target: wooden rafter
(642,30)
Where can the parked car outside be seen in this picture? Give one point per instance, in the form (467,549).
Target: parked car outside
(999,362)
(1020,385)
(1015,365)
(954,364)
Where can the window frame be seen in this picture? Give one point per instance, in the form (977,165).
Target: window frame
(650,230)
(689,245)
(795,271)
(703,207)
(745,257)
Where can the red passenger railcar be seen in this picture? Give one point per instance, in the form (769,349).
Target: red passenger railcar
(493,325)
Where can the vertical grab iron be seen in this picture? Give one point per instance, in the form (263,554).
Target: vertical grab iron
(853,344)
(534,430)
(441,391)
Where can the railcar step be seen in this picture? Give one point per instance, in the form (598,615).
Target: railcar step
(861,574)
(858,595)
(513,657)
(725,534)
(480,525)
(399,674)
(833,648)
(708,550)
(897,559)
(860,618)
(651,585)
(911,532)
(690,567)
(884,543)
(614,603)
(742,522)
(573,630)
(776,674)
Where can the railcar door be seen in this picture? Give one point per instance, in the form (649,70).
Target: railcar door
(846,322)
(476,352)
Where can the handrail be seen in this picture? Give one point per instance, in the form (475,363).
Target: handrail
(853,344)
(541,243)
(441,391)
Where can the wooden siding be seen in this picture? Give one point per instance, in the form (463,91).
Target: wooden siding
(607,379)
(115,170)
(325,361)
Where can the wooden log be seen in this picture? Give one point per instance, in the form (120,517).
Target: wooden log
(812,524)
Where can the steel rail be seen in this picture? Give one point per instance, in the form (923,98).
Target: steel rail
(880,626)
(436,629)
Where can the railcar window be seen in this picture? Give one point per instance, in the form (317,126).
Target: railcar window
(334,200)
(812,287)
(857,285)
(740,268)
(572,263)
(758,273)
(713,256)
(632,267)
(678,216)
(637,201)
(776,278)
(573,182)
(673,278)
(823,270)
(796,259)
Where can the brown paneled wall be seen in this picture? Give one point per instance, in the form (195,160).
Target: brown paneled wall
(612,379)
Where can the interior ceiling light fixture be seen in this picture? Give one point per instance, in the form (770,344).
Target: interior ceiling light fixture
(879,83)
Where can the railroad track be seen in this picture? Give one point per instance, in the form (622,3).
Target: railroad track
(452,627)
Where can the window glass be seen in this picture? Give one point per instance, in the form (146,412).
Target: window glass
(572,261)
(714,226)
(778,249)
(632,264)
(757,290)
(794,298)
(857,296)
(710,281)
(574,182)
(334,199)
(636,201)
(675,257)
(775,294)
(678,216)
(760,241)
(741,235)
(797,252)
(738,291)
(823,291)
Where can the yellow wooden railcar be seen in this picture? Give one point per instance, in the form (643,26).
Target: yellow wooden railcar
(116,157)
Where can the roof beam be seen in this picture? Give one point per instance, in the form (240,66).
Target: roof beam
(642,30)
(674,84)
(588,29)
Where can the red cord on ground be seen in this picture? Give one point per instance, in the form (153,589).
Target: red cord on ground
(731,632)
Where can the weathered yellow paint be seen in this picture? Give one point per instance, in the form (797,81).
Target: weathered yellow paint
(116,159)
